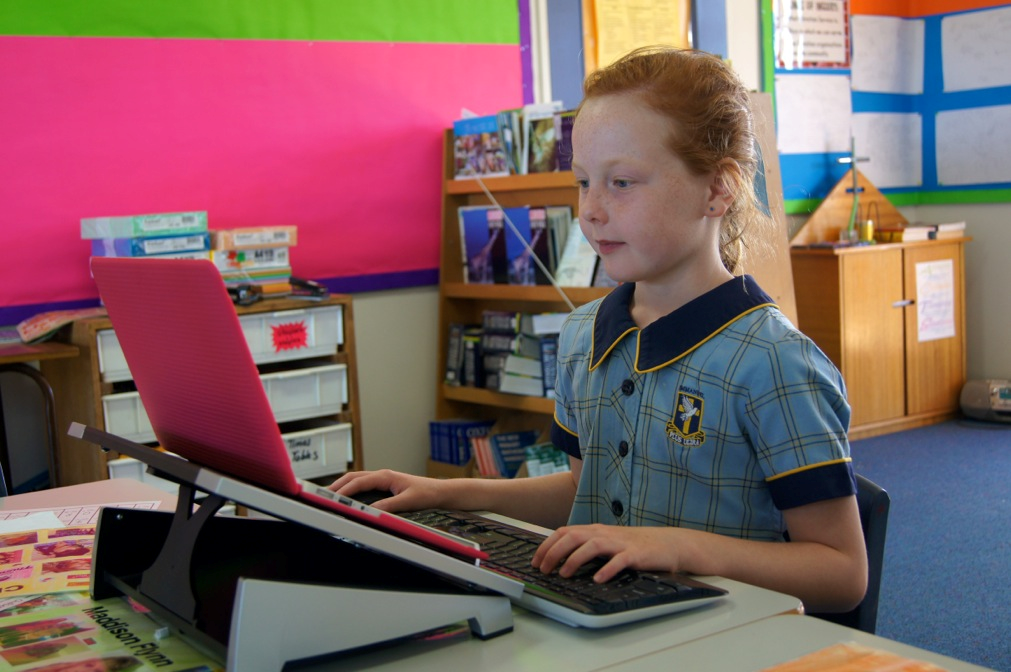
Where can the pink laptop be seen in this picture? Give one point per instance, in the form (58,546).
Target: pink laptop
(182,339)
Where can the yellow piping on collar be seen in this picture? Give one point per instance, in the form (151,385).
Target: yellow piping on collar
(697,345)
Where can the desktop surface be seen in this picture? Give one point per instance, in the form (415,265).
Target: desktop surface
(539,643)
(773,641)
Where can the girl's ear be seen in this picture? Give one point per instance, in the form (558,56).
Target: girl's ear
(721,189)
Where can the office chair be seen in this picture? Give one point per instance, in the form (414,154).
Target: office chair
(873,503)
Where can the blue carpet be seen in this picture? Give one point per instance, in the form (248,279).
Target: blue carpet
(946,582)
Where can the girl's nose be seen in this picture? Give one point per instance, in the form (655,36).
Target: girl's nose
(591,206)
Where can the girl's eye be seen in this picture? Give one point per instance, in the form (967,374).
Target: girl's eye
(622,184)
(582,184)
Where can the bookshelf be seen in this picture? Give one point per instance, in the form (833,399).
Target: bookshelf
(462,302)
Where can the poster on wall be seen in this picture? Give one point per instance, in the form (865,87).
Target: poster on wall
(811,34)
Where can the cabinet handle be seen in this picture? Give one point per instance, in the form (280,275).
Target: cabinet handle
(903,303)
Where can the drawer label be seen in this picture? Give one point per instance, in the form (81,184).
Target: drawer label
(289,336)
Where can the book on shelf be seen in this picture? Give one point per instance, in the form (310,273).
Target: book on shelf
(559,219)
(518,344)
(511,136)
(543,458)
(450,439)
(516,383)
(549,365)
(497,251)
(539,141)
(519,243)
(477,148)
(500,454)
(145,246)
(134,226)
(545,324)
(474,248)
(454,354)
(578,262)
(473,364)
(564,121)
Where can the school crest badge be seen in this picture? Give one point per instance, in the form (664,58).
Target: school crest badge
(685,427)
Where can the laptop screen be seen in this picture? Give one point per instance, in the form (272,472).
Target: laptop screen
(182,338)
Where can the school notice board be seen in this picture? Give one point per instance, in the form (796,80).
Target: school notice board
(920,91)
(323,114)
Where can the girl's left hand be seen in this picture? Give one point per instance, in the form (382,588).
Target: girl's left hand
(645,548)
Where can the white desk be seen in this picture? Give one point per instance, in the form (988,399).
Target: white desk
(538,643)
(770,642)
(99,492)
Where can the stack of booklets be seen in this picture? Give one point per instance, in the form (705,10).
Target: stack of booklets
(511,352)
(176,235)
(514,245)
(535,138)
(258,256)
(904,233)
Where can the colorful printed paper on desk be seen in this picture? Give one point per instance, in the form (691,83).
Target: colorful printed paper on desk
(46,561)
(65,628)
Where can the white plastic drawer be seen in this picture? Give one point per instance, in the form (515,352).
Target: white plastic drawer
(293,395)
(307,393)
(125,417)
(320,450)
(294,334)
(272,337)
(111,362)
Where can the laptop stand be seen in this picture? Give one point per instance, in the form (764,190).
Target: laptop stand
(257,593)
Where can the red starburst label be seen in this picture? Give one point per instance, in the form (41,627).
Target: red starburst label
(291,336)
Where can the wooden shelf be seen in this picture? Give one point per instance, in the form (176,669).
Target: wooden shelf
(545,293)
(474,395)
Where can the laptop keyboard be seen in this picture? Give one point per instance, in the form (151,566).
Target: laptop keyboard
(511,548)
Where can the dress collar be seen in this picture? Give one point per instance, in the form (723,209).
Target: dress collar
(674,335)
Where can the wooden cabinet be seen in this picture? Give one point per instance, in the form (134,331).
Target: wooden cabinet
(901,354)
(465,303)
(311,382)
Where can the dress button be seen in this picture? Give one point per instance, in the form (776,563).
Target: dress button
(627,387)
(617,509)
(623,448)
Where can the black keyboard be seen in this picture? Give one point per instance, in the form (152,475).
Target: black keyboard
(511,548)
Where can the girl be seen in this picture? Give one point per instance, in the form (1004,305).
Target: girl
(703,428)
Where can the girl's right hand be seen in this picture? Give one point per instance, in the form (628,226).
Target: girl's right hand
(405,492)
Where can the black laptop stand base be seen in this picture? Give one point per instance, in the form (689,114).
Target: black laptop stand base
(258,593)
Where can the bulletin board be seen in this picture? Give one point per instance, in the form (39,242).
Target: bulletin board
(923,92)
(324,114)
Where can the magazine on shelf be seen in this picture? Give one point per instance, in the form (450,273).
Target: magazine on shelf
(477,148)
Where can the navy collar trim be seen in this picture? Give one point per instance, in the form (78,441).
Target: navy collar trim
(675,335)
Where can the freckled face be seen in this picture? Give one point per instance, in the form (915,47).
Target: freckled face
(639,206)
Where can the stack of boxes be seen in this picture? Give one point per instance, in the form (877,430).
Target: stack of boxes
(255,256)
(176,235)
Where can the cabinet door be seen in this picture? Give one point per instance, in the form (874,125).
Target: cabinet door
(872,333)
(935,326)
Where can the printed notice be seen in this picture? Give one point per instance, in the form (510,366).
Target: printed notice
(812,33)
(935,300)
